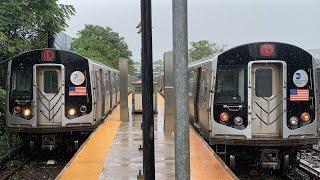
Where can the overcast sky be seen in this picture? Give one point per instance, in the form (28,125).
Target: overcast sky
(231,22)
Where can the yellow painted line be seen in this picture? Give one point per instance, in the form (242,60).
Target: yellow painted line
(204,163)
(89,161)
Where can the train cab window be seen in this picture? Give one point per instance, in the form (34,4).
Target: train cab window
(21,82)
(50,81)
(263,82)
(230,85)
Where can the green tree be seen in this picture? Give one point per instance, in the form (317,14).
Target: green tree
(204,48)
(102,44)
(24,24)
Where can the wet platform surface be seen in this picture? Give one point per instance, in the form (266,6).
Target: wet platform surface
(126,159)
(112,152)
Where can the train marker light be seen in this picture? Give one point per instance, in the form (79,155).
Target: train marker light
(48,55)
(267,50)
(224,117)
(293,121)
(305,117)
(17,110)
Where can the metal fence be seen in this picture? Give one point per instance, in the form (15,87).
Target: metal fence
(63,41)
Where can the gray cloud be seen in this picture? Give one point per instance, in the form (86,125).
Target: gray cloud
(230,22)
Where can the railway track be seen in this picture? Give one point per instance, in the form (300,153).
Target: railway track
(26,166)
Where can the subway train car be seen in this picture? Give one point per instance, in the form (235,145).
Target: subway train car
(57,96)
(256,103)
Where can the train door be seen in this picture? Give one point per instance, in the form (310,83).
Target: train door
(196,93)
(266,98)
(203,100)
(118,88)
(110,89)
(49,89)
(103,91)
(98,95)
(114,92)
(192,85)
(107,93)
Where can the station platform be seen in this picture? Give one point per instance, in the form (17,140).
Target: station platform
(113,152)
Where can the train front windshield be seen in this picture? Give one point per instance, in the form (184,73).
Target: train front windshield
(21,81)
(231,86)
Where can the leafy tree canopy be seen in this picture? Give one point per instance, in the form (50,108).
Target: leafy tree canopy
(24,24)
(102,44)
(204,48)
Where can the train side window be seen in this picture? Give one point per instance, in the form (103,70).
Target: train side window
(50,81)
(263,82)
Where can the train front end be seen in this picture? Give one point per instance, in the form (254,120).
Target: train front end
(264,104)
(49,96)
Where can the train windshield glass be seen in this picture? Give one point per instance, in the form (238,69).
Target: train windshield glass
(230,85)
(21,81)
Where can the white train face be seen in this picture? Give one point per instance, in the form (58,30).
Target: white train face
(49,87)
(265,90)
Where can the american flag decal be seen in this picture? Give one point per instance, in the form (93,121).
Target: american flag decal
(77,91)
(299,94)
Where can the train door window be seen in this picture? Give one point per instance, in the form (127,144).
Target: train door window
(263,82)
(50,81)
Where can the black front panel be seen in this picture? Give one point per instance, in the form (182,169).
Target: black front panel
(22,78)
(296,59)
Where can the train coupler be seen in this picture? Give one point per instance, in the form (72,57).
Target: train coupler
(270,159)
(48,142)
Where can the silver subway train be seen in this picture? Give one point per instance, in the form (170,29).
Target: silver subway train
(255,104)
(58,96)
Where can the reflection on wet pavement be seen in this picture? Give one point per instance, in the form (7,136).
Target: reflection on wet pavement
(125,159)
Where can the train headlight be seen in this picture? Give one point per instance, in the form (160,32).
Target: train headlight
(305,117)
(224,117)
(72,112)
(293,121)
(83,109)
(238,121)
(26,112)
(17,110)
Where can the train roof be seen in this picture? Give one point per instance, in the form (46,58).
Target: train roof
(65,51)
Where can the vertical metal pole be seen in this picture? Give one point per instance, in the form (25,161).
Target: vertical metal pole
(180,63)
(123,67)
(147,91)
(51,40)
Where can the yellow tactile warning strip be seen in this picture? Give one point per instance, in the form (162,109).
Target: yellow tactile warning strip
(89,161)
(204,163)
